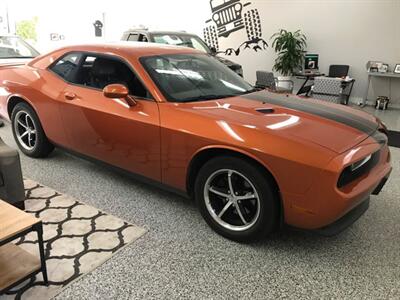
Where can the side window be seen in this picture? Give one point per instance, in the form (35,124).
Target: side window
(98,71)
(67,66)
(133,37)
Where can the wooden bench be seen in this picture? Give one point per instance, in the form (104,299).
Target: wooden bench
(16,264)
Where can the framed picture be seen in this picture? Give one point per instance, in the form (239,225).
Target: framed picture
(397,68)
(384,68)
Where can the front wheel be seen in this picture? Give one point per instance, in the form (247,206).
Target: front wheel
(28,132)
(237,199)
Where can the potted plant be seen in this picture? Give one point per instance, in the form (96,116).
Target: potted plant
(290,47)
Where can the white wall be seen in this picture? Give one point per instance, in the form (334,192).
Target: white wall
(341,31)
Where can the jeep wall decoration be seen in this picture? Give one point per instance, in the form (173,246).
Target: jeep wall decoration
(229,16)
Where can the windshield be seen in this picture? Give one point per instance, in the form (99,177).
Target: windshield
(15,47)
(190,41)
(193,77)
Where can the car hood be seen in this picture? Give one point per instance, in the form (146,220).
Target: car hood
(332,126)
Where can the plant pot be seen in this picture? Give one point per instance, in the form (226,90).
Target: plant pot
(285,82)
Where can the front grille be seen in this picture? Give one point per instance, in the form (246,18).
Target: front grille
(349,176)
(228,15)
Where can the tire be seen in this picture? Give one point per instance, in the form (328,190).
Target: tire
(252,23)
(260,212)
(211,37)
(34,143)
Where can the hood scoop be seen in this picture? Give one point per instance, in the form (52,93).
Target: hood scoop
(265,111)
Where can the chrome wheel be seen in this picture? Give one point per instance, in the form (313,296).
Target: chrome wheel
(232,200)
(25,130)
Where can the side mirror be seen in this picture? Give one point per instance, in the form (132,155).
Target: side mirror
(118,91)
(213,50)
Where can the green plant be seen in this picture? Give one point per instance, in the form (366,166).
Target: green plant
(290,47)
(27,29)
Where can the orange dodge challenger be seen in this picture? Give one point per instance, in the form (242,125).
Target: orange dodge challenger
(253,160)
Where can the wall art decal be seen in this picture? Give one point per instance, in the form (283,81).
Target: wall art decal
(98,28)
(230,16)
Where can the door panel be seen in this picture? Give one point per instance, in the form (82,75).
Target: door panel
(109,130)
(46,94)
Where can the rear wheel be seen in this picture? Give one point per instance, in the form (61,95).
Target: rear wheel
(28,132)
(236,199)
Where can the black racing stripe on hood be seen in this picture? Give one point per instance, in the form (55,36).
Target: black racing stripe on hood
(315,108)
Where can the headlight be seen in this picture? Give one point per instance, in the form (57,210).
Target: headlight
(358,169)
(360,163)
(215,17)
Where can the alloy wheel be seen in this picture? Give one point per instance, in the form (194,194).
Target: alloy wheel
(25,130)
(232,200)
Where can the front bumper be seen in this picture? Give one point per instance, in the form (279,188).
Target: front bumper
(345,221)
(352,216)
(325,204)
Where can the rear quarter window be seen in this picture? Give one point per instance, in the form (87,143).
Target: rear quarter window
(66,66)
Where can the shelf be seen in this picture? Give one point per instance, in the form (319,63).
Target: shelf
(15,264)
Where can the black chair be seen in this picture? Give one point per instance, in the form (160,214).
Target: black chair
(338,71)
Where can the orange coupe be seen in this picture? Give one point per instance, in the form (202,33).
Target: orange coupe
(253,160)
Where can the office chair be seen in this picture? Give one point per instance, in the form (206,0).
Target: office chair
(338,70)
(266,80)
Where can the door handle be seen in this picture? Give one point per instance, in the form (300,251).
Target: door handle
(69,96)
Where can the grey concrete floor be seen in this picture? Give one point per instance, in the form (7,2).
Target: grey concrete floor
(181,257)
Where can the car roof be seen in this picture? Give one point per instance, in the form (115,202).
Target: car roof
(123,49)
(137,49)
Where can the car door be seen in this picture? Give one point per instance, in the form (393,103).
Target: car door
(109,129)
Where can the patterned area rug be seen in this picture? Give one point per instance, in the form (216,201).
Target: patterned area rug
(78,238)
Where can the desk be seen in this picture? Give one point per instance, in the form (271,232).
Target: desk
(305,89)
(388,75)
(16,264)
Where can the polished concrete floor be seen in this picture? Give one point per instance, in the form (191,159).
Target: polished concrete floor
(181,257)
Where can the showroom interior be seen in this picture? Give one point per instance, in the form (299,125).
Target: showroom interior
(200,149)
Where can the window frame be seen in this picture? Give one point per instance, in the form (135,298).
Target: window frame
(84,55)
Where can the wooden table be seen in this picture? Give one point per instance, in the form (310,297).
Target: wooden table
(16,264)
